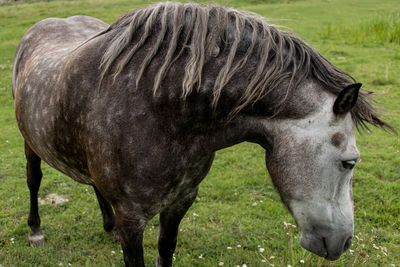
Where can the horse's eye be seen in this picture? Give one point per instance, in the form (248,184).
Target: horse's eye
(349,164)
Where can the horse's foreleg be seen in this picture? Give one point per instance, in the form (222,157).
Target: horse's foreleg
(106,211)
(130,229)
(34,177)
(170,219)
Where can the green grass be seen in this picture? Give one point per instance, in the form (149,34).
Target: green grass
(380,29)
(237,203)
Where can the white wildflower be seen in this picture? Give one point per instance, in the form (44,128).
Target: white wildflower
(220,263)
(302,261)
(261,249)
(229,247)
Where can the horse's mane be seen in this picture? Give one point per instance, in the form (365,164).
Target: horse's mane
(203,30)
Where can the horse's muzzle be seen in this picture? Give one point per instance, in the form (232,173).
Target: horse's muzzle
(329,247)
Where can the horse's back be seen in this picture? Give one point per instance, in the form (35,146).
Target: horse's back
(62,31)
(51,40)
(65,31)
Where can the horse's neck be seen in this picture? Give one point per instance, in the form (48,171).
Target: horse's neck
(259,125)
(215,136)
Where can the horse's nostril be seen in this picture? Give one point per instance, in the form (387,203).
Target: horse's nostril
(349,164)
(347,244)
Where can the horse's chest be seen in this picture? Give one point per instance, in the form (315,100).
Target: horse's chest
(187,182)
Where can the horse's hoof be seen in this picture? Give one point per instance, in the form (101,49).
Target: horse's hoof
(36,240)
(161,263)
(115,235)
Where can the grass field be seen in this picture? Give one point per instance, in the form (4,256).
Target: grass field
(238,217)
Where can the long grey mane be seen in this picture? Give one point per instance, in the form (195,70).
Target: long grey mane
(203,30)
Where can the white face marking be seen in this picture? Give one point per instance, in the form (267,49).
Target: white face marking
(307,169)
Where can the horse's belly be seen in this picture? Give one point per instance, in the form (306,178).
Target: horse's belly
(60,162)
(45,146)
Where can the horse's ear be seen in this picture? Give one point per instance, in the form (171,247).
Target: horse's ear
(346,99)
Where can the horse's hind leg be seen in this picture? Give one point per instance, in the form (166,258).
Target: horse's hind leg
(170,219)
(34,177)
(107,212)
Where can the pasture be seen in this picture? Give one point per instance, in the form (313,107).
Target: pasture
(238,217)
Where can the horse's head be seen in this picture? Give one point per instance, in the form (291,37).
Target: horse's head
(311,163)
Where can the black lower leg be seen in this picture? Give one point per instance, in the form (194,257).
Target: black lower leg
(167,240)
(131,230)
(169,224)
(34,177)
(106,211)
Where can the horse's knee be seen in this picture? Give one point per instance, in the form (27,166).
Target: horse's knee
(108,223)
(115,235)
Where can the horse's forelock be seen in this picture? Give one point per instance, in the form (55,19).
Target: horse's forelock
(283,58)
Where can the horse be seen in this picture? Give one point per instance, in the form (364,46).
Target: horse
(137,109)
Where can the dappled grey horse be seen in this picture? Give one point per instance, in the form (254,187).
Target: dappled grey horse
(137,110)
